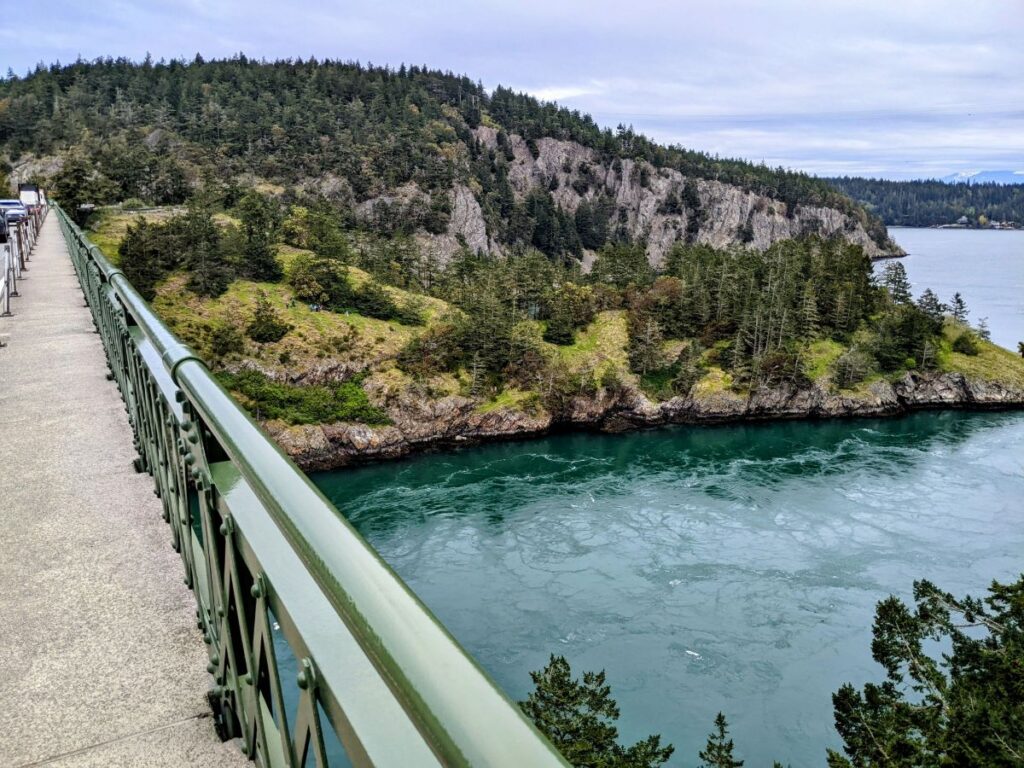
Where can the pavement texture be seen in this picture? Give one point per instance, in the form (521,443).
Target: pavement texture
(101,663)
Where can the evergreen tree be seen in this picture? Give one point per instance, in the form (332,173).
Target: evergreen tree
(591,222)
(717,753)
(851,368)
(76,184)
(272,120)
(622,265)
(258,221)
(982,329)
(952,694)
(894,278)
(578,717)
(266,326)
(202,254)
(929,203)
(810,324)
(559,328)
(958,308)
(929,304)
(143,253)
(901,335)
(645,341)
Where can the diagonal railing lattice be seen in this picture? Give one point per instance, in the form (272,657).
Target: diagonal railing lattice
(320,654)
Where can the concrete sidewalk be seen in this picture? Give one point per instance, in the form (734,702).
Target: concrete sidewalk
(101,663)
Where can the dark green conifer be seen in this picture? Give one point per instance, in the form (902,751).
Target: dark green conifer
(718,752)
(578,717)
(258,221)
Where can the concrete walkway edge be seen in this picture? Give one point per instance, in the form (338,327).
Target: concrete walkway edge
(101,663)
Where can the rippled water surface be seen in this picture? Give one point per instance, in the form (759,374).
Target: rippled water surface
(718,568)
(724,568)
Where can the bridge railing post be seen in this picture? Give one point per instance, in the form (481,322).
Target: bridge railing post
(7,276)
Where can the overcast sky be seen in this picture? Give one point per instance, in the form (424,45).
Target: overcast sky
(896,88)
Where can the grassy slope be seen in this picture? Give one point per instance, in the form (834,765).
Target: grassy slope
(599,348)
(108,227)
(992,363)
(320,339)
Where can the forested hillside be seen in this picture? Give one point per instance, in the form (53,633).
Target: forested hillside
(348,346)
(407,151)
(931,203)
(377,260)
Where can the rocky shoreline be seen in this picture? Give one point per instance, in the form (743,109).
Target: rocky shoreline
(422,424)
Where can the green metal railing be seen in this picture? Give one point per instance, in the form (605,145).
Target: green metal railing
(268,556)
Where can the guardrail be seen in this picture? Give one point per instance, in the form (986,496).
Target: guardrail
(15,253)
(279,574)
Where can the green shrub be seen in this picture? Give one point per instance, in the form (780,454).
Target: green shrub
(851,368)
(318,404)
(658,383)
(966,344)
(559,328)
(266,326)
(325,282)
(412,312)
(370,300)
(225,339)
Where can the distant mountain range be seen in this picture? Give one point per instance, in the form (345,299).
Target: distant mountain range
(985,177)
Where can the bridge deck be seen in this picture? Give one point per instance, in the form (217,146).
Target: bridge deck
(100,659)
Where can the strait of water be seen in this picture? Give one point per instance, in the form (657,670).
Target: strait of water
(985,265)
(731,568)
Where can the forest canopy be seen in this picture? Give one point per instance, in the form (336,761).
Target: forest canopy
(153,130)
(932,203)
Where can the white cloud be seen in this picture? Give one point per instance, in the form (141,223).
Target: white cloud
(562,92)
(872,86)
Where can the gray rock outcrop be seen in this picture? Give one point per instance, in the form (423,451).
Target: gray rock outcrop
(421,424)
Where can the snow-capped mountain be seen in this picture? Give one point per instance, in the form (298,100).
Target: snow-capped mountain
(985,177)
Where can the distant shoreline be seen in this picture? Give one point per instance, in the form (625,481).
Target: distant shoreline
(954,227)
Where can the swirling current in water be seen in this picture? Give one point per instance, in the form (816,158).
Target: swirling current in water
(730,568)
(716,568)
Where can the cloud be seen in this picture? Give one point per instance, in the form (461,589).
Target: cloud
(868,86)
(562,92)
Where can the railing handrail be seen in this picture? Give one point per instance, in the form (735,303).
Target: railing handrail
(461,714)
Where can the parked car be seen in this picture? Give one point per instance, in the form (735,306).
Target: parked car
(14,210)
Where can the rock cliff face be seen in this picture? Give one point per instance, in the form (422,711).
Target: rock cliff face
(661,206)
(420,424)
(647,201)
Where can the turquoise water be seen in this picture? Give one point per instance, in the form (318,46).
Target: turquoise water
(727,568)
(730,568)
